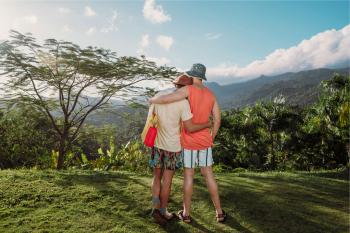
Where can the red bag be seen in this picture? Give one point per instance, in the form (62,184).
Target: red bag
(150,137)
(149,132)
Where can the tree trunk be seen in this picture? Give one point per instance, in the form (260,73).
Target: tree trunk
(61,153)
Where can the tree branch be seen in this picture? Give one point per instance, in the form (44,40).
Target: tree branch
(43,104)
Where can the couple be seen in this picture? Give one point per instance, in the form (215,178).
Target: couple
(184,115)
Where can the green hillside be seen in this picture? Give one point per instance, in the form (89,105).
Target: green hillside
(300,88)
(88,201)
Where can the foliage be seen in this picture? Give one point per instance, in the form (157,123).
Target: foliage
(327,122)
(25,139)
(132,156)
(275,135)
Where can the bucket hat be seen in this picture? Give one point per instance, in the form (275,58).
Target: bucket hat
(197,71)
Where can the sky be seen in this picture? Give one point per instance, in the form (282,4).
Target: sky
(235,40)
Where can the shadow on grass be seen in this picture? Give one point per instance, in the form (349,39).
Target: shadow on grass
(201,195)
(136,201)
(316,187)
(132,192)
(199,227)
(118,198)
(342,174)
(275,204)
(234,224)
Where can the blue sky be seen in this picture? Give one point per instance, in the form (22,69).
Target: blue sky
(236,40)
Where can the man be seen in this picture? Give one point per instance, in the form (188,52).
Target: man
(197,145)
(166,154)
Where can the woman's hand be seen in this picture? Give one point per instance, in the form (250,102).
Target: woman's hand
(209,124)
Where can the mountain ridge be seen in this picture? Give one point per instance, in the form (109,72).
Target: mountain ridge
(302,86)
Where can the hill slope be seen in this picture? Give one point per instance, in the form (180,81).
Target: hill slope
(300,88)
(87,201)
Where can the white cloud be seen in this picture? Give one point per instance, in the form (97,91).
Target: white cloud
(24,22)
(212,36)
(165,41)
(32,19)
(160,84)
(89,11)
(145,41)
(143,44)
(91,31)
(66,28)
(159,60)
(326,49)
(64,10)
(155,13)
(112,23)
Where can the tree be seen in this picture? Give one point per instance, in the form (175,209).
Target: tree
(240,141)
(255,140)
(226,145)
(57,77)
(330,119)
(277,118)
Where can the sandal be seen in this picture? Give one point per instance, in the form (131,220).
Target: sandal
(169,216)
(158,217)
(221,217)
(186,219)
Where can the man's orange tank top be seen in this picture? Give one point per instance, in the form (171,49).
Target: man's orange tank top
(201,103)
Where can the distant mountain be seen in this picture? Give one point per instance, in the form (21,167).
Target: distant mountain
(300,88)
(120,116)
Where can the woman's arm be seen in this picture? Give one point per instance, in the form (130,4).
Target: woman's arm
(179,94)
(191,127)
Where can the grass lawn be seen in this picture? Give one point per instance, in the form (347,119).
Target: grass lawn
(87,201)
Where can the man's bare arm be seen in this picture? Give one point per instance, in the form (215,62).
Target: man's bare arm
(180,94)
(216,119)
(191,127)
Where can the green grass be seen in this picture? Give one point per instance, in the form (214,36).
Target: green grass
(87,201)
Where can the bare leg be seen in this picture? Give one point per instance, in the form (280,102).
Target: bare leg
(156,184)
(188,190)
(207,172)
(166,187)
